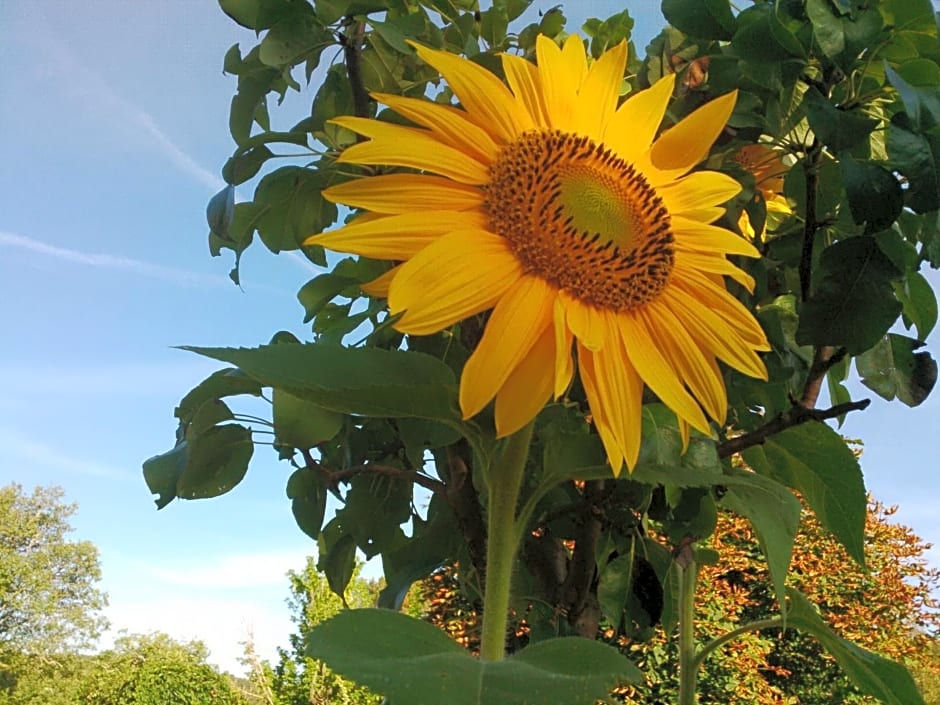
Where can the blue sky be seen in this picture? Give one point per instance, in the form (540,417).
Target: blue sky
(114,130)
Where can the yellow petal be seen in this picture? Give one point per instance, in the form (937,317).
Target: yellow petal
(659,376)
(600,91)
(560,80)
(564,366)
(450,125)
(396,236)
(683,146)
(713,263)
(527,388)
(699,190)
(455,277)
(631,130)
(378,287)
(517,322)
(405,193)
(711,291)
(523,78)
(700,237)
(620,391)
(713,333)
(615,455)
(584,321)
(698,370)
(486,99)
(395,145)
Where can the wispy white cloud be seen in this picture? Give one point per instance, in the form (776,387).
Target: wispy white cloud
(89,87)
(113,262)
(28,452)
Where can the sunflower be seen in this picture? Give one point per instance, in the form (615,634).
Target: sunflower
(766,166)
(562,214)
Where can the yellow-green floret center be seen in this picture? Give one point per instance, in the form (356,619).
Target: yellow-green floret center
(582,218)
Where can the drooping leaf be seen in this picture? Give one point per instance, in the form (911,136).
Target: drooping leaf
(892,369)
(814,460)
(917,156)
(337,559)
(853,304)
(221,383)
(922,103)
(293,207)
(317,292)
(415,663)
(773,512)
(220,211)
(874,675)
(299,423)
(245,164)
(827,28)
(162,472)
(364,381)
(307,492)
(217,461)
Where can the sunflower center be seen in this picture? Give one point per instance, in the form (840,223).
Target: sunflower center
(582,218)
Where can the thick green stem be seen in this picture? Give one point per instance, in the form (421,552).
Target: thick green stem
(732,635)
(503,483)
(687,665)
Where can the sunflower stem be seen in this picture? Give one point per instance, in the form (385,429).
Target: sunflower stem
(503,484)
(688,667)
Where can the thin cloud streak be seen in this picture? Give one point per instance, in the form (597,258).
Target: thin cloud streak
(113,262)
(29,452)
(88,85)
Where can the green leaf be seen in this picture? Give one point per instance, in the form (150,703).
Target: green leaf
(299,423)
(220,211)
(773,512)
(874,675)
(162,472)
(837,129)
(245,164)
(307,493)
(222,383)
(364,381)
(814,460)
(420,434)
(256,14)
(917,156)
(759,39)
(337,561)
(320,290)
(707,19)
(415,663)
(613,586)
(919,302)
(892,370)
(922,103)
(253,87)
(432,543)
(875,195)
(218,460)
(827,28)
(293,207)
(376,507)
(853,304)
(295,39)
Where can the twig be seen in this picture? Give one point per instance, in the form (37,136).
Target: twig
(811,223)
(825,357)
(794,417)
(428,483)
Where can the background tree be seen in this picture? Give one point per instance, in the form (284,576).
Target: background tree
(889,609)
(155,669)
(49,599)
(298,679)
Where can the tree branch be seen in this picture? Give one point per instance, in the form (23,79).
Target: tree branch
(428,483)
(582,612)
(794,417)
(463,499)
(352,53)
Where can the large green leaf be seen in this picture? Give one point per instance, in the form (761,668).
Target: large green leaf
(874,675)
(773,512)
(414,663)
(893,370)
(299,423)
(922,103)
(364,381)
(814,460)
(854,303)
(307,492)
(837,129)
(917,156)
(291,207)
(708,19)
(875,195)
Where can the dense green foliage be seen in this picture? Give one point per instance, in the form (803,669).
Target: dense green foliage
(846,93)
